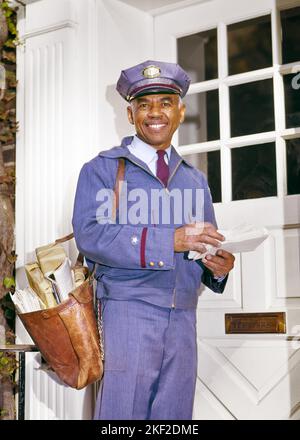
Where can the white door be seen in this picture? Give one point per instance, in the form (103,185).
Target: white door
(243,130)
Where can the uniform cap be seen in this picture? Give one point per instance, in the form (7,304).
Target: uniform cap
(153,77)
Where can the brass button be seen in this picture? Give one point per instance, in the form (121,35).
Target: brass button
(160,263)
(151,263)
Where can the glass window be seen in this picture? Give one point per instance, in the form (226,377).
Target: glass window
(292,100)
(293,166)
(198,55)
(210,164)
(201,122)
(290,24)
(252,108)
(249,45)
(254,171)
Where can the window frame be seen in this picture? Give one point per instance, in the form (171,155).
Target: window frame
(276,72)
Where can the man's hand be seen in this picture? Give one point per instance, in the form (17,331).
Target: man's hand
(195,236)
(219,264)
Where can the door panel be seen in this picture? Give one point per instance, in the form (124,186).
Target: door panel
(243,131)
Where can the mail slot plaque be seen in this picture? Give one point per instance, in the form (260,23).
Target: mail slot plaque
(269,322)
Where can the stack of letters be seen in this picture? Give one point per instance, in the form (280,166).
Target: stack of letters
(51,278)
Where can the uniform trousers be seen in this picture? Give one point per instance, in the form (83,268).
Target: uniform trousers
(150,362)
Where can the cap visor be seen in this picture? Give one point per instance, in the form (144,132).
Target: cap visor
(155,91)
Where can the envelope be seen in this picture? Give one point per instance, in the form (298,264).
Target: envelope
(242,238)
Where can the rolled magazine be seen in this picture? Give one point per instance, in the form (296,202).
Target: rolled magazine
(62,280)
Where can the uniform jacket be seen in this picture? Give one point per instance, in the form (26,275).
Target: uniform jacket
(137,261)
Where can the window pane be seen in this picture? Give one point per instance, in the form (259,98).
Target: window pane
(249,45)
(252,108)
(293,166)
(254,172)
(201,122)
(209,163)
(197,54)
(290,24)
(292,100)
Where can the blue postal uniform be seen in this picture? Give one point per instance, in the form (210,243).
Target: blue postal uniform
(148,292)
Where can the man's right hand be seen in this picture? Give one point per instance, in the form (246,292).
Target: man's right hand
(195,236)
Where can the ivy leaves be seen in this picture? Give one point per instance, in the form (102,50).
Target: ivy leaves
(8,365)
(8,123)
(9,282)
(9,15)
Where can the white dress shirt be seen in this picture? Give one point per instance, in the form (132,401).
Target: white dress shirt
(146,153)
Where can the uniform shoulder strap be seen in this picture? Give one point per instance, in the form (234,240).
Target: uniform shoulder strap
(118,186)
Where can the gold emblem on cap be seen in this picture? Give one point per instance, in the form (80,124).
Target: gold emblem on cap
(151,72)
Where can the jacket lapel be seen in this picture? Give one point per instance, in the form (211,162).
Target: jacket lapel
(122,151)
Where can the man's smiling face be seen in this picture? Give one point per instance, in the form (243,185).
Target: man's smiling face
(156,118)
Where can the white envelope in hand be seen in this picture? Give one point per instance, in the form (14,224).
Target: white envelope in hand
(243,238)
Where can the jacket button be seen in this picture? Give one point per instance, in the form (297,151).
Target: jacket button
(160,263)
(151,263)
(134,240)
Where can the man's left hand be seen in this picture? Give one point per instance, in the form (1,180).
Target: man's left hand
(219,264)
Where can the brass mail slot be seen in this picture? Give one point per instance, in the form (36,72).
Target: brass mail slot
(273,322)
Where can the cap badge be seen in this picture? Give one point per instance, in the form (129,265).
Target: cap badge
(151,72)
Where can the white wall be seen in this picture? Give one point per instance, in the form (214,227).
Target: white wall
(125,39)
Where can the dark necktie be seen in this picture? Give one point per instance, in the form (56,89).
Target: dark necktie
(162,169)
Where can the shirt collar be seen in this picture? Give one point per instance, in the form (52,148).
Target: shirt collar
(144,151)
